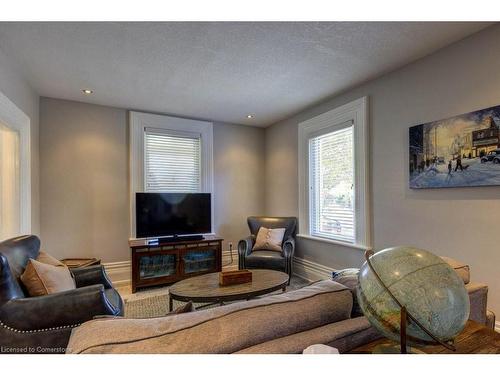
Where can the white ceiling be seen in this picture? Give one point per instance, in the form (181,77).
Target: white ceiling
(216,71)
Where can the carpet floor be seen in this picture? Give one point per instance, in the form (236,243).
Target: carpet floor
(153,302)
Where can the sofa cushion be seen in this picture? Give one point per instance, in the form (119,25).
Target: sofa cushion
(344,336)
(225,329)
(41,279)
(349,278)
(269,239)
(463,270)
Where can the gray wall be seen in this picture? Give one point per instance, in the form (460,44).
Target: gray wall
(238,179)
(13,86)
(84,179)
(459,222)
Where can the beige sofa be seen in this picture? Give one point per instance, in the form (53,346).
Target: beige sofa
(320,313)
(284,323)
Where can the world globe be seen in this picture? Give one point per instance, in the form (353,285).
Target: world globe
(429,289)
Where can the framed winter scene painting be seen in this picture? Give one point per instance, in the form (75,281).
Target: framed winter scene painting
(459,151)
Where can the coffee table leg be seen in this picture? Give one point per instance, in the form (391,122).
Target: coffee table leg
(284,289)
(170,303)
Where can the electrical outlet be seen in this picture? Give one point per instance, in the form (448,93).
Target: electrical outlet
(230,245)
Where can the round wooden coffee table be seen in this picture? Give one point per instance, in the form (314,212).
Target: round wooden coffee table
(206,288)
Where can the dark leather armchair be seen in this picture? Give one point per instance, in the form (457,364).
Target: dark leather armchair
(43,324)
(264,258)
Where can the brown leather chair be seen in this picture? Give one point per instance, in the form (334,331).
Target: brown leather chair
(268,259)
(43,324)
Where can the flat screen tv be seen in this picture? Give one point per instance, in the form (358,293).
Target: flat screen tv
(172,214)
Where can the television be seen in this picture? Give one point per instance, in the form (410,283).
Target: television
(172,214)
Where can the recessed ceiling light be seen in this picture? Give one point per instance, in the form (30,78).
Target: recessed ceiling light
(249,116)
(87,91)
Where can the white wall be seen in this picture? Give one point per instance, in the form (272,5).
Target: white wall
(459,222)
(84,179)
(14,86)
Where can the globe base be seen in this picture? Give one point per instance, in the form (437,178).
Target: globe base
(394,349)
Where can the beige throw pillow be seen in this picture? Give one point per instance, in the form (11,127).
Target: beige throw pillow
(43,257)
(41,279)
(269,239)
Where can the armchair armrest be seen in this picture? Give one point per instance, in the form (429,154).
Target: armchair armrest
(91,276)
(67,308)
(244,249)
(245,246)
(289,248)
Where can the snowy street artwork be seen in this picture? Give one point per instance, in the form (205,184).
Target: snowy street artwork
(459,151)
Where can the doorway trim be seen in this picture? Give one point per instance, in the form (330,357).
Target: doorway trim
(14,118)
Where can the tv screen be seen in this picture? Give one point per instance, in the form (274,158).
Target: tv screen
(172,214)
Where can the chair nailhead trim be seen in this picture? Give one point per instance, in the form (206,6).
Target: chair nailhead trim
(3,325)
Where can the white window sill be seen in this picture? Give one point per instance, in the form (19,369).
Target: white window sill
(334,242)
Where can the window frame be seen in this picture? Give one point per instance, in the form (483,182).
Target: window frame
(138,123)
(355,112)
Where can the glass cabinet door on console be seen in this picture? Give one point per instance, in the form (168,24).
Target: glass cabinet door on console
(157,265)
(197,260)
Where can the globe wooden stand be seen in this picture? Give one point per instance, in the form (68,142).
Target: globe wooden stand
(474,339)
(394,348)
(405,316)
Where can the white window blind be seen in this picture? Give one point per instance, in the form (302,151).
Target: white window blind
(331,184)
(172,161)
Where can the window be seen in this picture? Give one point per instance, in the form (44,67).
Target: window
(15,175)
(331,185)
(169,154)
(172,162)
(333,176)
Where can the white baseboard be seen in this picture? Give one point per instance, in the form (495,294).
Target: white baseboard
(120,273)
(311,271)
(303,268)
